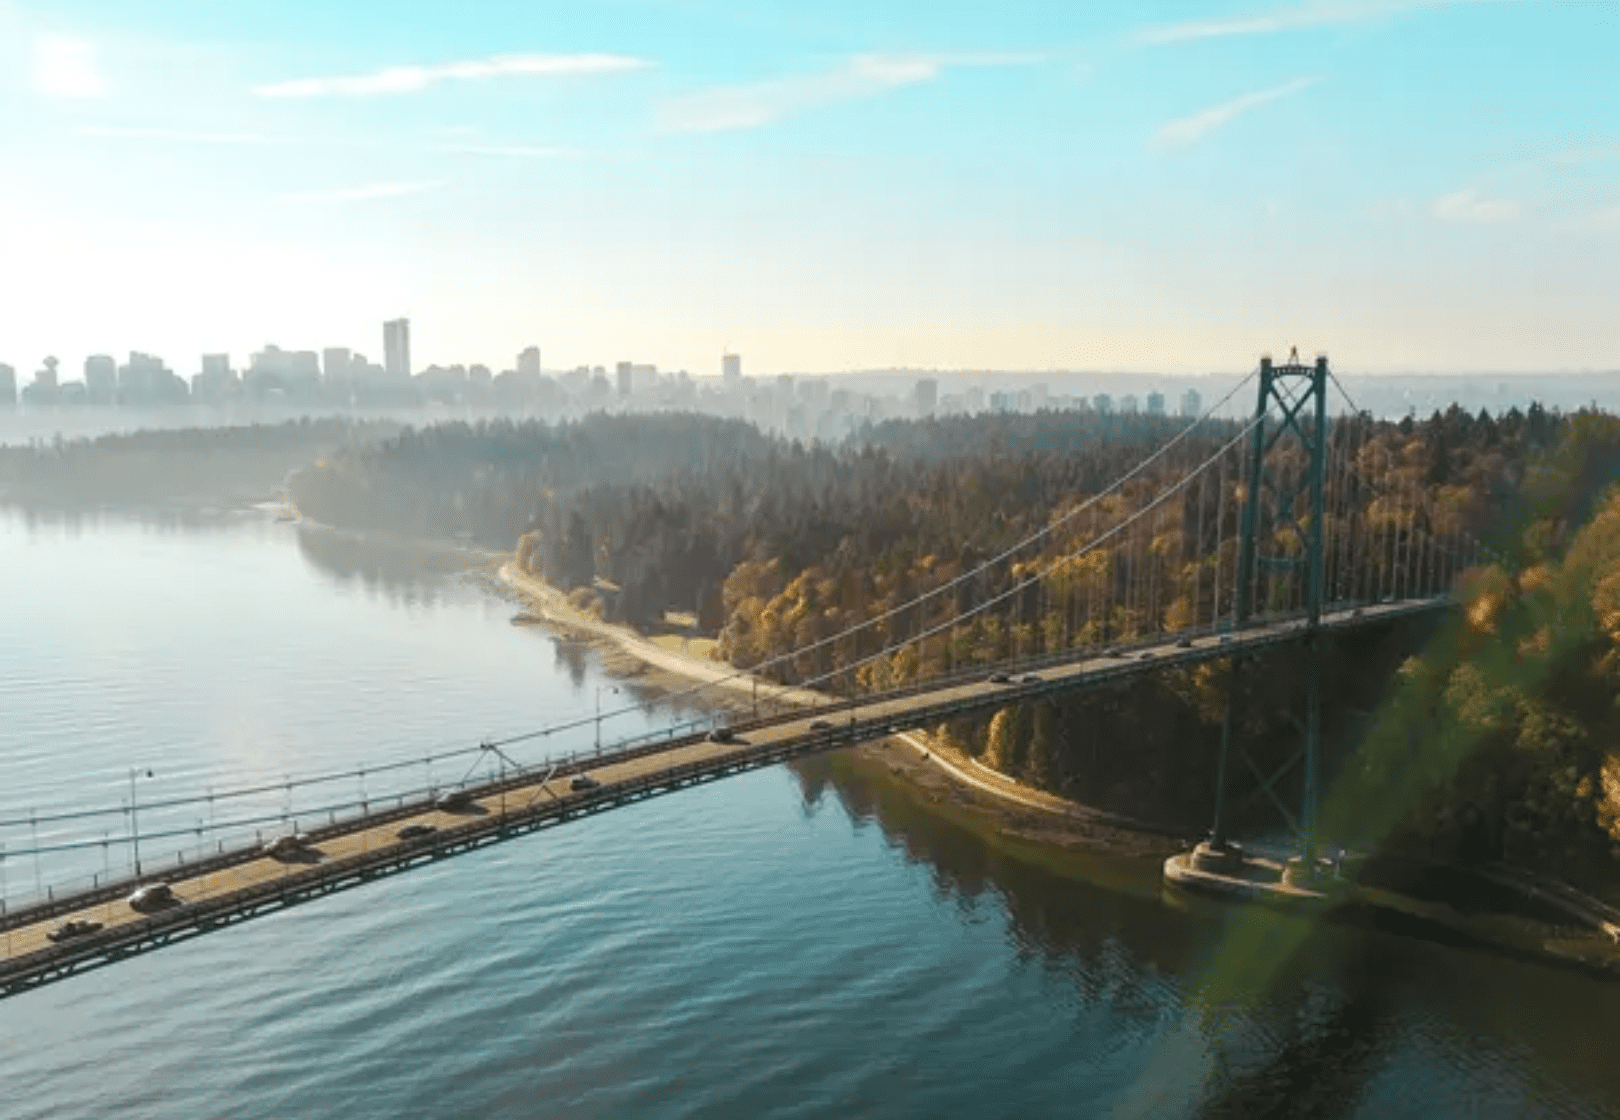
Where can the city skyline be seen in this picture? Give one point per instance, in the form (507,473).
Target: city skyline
(1175,187)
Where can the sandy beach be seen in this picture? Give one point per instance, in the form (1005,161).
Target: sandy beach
(983,798)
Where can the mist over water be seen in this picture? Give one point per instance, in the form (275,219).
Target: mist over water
(790,942)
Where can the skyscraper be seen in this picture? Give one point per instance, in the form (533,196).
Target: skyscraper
(1192,405)
(528,364)
(925,396)
(731,368)
(101,378)
(337,365)
(8,386)
(397,349)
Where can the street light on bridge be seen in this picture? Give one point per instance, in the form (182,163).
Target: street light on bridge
(599,688)
(134,816)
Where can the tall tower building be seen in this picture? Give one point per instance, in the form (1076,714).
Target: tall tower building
(8,386)
(925,397)
(528,364)
(397,349)
(336,365)
(101,378)
(731,368)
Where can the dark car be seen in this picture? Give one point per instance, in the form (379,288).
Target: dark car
(1184,643)
(999,678)
(455,799)
(1145,655)
(73,927)
(1112,651)
(415,831)
(153,896)
(584,782)
(819,725)
(722,735)
(1031,678)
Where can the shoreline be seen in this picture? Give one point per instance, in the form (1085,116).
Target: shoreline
(1000,802)
(1066,836)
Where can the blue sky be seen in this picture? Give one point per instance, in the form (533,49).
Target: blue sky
(819,186)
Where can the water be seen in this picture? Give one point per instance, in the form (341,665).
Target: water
(804,942)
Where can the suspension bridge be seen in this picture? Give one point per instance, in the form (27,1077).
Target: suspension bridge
(1230,540)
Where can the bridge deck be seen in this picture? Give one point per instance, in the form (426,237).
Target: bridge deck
(239,884)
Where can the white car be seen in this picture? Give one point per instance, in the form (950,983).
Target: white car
(153,896)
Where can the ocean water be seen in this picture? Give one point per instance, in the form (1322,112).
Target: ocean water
(805,942)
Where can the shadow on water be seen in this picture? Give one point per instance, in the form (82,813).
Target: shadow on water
(1254,1013)
(403,573)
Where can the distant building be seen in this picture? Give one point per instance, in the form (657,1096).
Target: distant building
(626,378)
(925,397)
(731,368)
(1003,402)
(337,366)
(1192,405)
(397,350)
(1155,403)
(101,379)
(973,399)
(643,378)
(41,391)
(528,364)
(1128,405)
(217,380)
(1103,404)
(8,386)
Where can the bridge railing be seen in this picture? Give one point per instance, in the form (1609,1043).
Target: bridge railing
(214,854)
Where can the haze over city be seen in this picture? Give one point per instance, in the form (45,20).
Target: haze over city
(1407,184)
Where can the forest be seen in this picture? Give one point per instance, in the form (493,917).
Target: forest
(171,467)
(777,546)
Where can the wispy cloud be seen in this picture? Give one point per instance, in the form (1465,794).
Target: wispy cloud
(413,79)
(359,194)
(1290,17)
(1470,206)
(760,103)
(1188,130)
(515,151)
(182,136)
(66,67)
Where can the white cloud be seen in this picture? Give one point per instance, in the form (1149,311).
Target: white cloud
(182,136)
(359,194)
(1470,206)
(517,151)
(1188,130)
(413,79)
(66,67)
(1608,218)
(760,103)
(1291,17)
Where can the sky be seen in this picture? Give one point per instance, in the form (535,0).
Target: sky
(820,186)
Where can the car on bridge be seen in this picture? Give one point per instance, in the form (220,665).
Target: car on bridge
(73,927)
(998,678)
(722,735)
(1113,651)
(583,783)
(152,897)
(416,831)
(1184,642)
(455,799)
(1031,678)
(820,725)
(292,845)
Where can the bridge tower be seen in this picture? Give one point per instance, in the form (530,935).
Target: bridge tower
(1280,554)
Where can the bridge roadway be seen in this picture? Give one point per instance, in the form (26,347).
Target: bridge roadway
(240,884)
